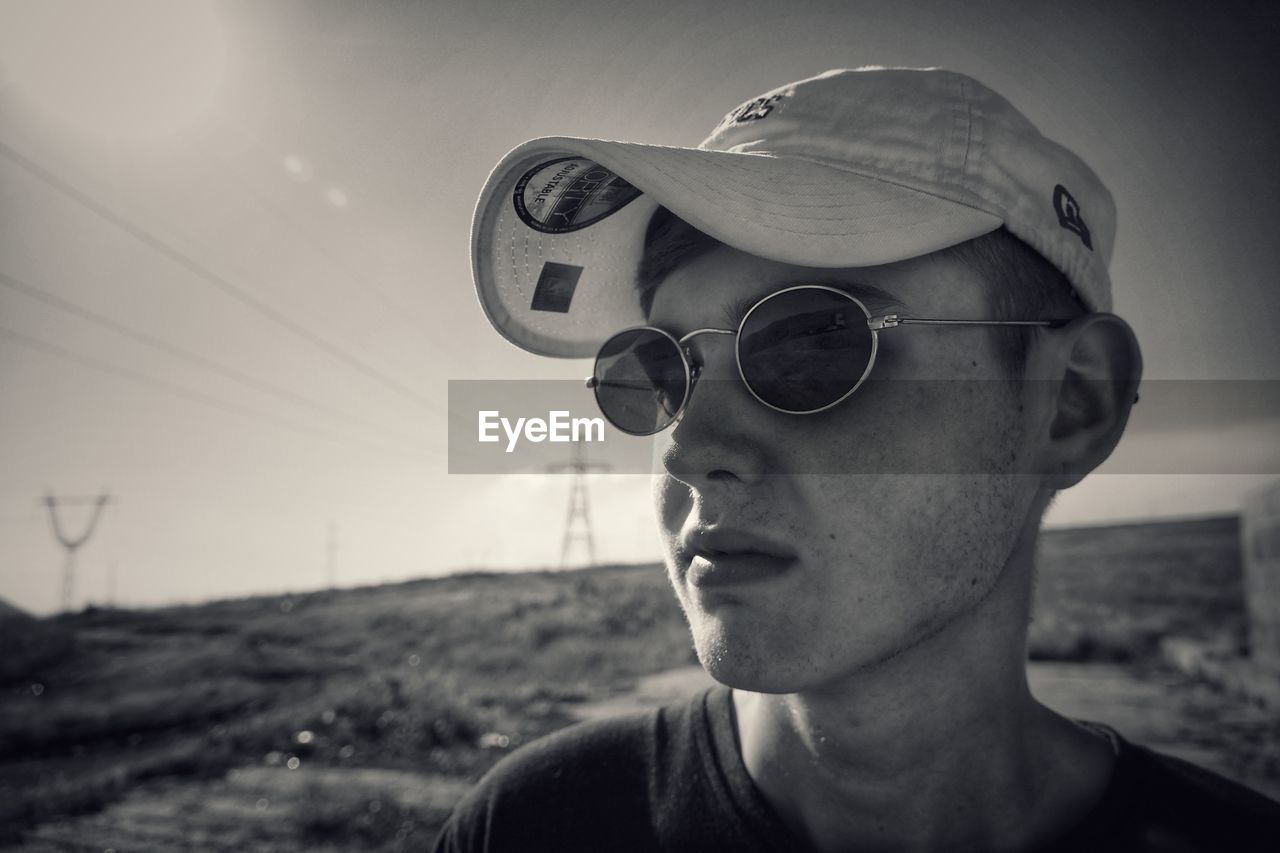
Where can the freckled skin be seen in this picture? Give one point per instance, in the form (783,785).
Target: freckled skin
(880,691)
(886,558)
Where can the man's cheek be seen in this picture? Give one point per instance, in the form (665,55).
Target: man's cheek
(935,427)
(885,428)
(672,502)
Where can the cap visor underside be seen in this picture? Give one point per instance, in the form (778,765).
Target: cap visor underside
(786,209)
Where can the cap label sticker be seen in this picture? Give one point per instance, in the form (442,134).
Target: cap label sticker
(570,193)
(1069,215)
(555,287)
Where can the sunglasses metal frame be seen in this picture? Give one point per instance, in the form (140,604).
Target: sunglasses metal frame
(875,323)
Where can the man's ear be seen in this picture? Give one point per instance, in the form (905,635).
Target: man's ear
(1097,368)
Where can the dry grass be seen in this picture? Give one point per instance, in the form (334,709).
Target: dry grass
(438,678)
(1111,593)
(411,677)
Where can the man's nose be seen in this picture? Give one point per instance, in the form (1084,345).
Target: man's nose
(720,433)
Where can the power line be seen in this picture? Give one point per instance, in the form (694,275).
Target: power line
(70,307)
(178,390)
(203,272)
(394,308)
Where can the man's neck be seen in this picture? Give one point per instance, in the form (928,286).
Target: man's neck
(939,748)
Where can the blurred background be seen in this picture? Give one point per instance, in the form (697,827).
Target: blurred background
(234,284)
(236,274)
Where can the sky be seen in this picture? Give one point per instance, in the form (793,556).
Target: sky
(234,258)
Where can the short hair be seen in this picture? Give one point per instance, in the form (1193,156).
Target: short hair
(1024,286)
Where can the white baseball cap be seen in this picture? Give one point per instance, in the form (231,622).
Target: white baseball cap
(849,168)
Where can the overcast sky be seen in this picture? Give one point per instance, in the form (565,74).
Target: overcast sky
(234,254)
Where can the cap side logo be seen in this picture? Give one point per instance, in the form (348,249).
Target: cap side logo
(1069,215)
(753,110)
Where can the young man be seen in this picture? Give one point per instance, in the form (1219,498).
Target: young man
(849,490)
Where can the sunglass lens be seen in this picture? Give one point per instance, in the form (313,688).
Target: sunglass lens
(803,350)
(640,380)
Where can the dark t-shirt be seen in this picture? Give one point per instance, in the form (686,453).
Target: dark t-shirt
(673,779)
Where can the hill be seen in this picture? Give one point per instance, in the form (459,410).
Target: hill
(434,680)
(1111,593)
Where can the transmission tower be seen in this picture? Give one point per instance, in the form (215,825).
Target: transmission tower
(72,544)
(577,523)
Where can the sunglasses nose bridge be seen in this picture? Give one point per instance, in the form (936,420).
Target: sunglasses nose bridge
(687,348)
(693,359)
(721,369)
(684,340)
(694,366)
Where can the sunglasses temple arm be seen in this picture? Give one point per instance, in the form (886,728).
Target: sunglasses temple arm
(890,321)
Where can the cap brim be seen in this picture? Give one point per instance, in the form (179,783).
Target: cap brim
(787,209)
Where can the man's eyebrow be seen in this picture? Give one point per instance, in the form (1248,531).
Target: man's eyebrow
(874,298)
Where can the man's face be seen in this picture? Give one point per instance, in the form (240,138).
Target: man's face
(804,548)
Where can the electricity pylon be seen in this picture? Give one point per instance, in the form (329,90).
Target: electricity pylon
(577,523)
(69,543)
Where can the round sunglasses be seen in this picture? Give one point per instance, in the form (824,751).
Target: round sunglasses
(800,350)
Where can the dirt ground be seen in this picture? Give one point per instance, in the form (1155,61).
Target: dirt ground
(251,808)
(257,810)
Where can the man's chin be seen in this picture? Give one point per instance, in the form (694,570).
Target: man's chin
(765,658)
(743,664)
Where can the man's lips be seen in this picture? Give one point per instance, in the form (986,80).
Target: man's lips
(723,556)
